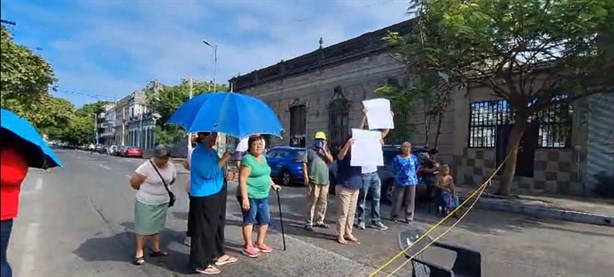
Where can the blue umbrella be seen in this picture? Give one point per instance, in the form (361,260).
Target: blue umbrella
(20,134)
(230,113)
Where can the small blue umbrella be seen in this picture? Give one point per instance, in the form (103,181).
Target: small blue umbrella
(20,134)
(231,113)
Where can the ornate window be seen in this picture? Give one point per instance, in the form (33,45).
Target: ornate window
(555,124)
(484,117)
(298,123)
(338,117)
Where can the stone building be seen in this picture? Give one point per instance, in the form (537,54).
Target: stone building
(323,90)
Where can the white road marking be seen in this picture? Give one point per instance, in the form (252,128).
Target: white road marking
(31,242)
(105,167)
(39,183)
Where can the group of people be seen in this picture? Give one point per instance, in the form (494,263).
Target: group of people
(208,184)
(355,184)
(207,191)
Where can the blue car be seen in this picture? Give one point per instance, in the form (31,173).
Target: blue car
(286,164)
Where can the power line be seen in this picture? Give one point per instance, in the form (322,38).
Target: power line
(8,22)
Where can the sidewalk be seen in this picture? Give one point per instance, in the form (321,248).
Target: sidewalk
(598,211)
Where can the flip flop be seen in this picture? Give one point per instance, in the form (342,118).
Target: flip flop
(228,260)
(138,261)
(158,253)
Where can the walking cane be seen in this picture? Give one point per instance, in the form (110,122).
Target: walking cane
(281,220)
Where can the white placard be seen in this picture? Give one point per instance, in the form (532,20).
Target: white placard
(367,148)
(379,115)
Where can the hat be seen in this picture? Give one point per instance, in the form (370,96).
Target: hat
(162,151)
(320,135)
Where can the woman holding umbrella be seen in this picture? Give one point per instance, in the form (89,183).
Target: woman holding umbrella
(22,147)
(208,206)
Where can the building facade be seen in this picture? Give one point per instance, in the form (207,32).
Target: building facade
(107,124)
(134,125)
(323,91)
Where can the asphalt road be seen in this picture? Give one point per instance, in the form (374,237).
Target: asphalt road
(77,221)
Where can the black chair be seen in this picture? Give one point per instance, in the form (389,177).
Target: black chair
(468,262)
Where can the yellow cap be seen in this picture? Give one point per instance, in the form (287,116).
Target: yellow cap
(320,135)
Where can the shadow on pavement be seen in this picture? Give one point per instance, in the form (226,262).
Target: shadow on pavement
(97,249)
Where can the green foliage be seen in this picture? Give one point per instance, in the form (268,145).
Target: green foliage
(164,100)
(22,72)
(81,127)
(24,81)
(505,44)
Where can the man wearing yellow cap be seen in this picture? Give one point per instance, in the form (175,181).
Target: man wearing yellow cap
(315,170)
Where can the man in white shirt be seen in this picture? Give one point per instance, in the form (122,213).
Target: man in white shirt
(371,184)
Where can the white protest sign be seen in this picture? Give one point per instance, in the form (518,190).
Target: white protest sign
(379,115)
(367,148)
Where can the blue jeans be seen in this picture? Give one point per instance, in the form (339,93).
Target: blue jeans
(5,234)
(258,213)
(371,185)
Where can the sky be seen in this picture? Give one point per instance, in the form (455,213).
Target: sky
(105,49)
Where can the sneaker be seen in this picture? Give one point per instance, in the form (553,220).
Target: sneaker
(251,252)
(379,225)
(322,225)
(188,241)
(265,248)
(361,225)
(308,228)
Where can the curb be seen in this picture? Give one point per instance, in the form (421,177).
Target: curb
(549,212)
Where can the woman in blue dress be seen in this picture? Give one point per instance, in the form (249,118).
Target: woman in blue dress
(405,166)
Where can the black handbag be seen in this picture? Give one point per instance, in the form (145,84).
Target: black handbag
(171,195)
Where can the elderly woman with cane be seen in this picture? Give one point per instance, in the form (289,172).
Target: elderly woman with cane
(208,206)
(255,184)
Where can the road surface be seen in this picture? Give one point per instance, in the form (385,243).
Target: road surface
(77,221)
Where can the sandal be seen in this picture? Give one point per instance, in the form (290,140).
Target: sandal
(322,225)
(158,253)
(138,261)
(224,260)
(210,270)
(352,239)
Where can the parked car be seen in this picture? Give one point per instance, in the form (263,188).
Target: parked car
(99,148)
(386,174)
(133,152)
(286,164)
(121,150)
(112,150)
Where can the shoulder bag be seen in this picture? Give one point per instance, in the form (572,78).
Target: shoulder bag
(171,195)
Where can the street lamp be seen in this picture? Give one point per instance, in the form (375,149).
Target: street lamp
(214,46)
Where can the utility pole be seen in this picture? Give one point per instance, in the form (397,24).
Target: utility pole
(190,135)
(96,127)
(214,46)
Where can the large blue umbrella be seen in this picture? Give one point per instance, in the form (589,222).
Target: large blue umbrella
(20,134)
(234,114)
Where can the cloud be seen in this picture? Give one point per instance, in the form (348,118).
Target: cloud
(114,47)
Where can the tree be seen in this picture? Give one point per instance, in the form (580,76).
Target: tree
(24,82)
(164,100)
(532,53)
(23,73)
(81,127)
